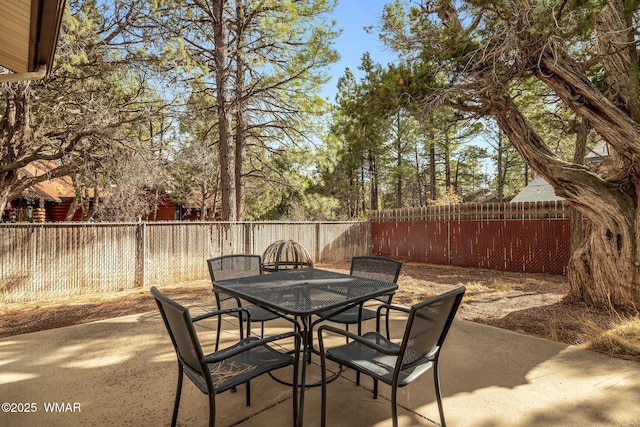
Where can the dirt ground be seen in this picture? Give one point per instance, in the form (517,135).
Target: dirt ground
(526,303)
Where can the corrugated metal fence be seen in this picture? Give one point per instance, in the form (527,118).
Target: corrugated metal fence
(47,261)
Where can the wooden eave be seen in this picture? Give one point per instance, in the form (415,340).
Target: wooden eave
(29,32)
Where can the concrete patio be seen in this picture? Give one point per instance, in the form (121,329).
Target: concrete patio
(123,372)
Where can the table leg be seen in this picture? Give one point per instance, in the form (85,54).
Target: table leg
(306,359)
(304,325)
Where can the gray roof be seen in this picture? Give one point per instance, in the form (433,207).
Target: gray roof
(538,190)
(598,153)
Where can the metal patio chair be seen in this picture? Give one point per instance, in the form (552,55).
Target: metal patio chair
(225,369)
(233,267)
(394,364)
(370,267)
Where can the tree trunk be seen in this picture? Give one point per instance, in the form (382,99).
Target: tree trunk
(77,200)
(500,172)
(225,146)
(72,210)
(204,214)
(14,130)
(603,270)
(363,194)
(576,219)
(399,200)
(433,189)
(419,178)
(616,40)
(4,201)
(455,184)
(447,164)
(89,205)
(373,173)
(241,120)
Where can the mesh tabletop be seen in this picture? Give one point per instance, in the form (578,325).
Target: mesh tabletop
(304,291)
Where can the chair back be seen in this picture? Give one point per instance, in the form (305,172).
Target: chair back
(229,267)
(376,267)
(427,326)
(180,327)
(234,266)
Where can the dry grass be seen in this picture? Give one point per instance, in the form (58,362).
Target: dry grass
(229,369)
(497,289)
(621,339)
(552,329)
(412,291)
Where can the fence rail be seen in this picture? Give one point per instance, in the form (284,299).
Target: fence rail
(476,211)
(57,260)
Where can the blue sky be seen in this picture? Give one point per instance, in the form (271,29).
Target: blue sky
(352,16)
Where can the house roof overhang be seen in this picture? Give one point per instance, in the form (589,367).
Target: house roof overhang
(29,32)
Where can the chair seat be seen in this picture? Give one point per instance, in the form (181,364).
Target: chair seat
(350,316)
(258,314)
(375,364)
(242,367)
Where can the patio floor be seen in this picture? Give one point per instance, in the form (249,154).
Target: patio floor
(123,372)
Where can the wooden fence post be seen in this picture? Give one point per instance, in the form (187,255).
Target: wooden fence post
(141,256)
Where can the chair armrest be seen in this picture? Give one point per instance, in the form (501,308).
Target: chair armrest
(393,307)
(388,307)
(349,306)
(355,337)
(217,294)
(328,314)
(225,354)
(241,317)
(219,313)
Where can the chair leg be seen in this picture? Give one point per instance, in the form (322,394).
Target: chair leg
(219,330)
(307,344)
(176,404)
(296,362)
(248,393)
(212,409)
(375,388)
(394,405)
(360,334)
(323,368)
(387,325)
(436,381)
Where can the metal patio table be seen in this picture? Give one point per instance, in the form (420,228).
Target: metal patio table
(302,293)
